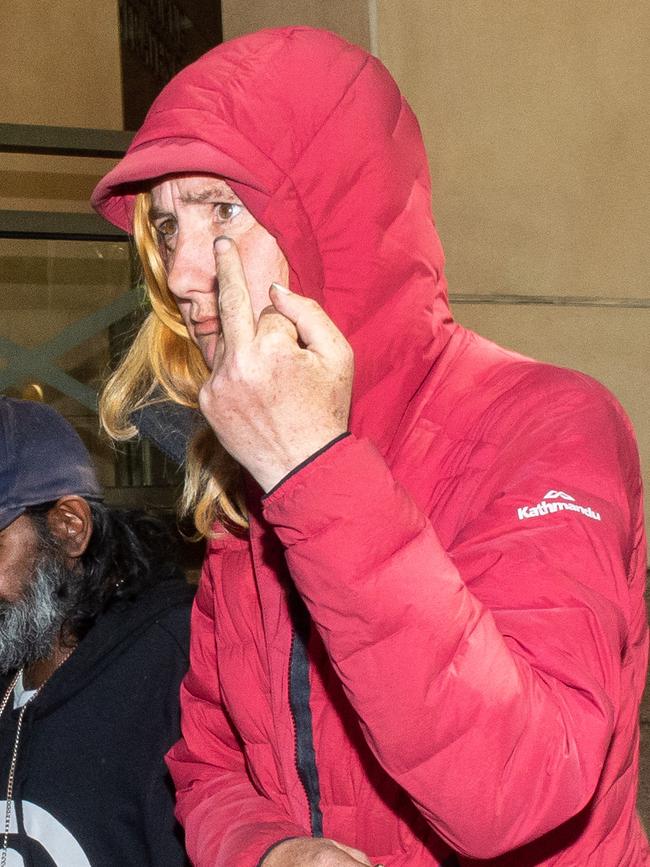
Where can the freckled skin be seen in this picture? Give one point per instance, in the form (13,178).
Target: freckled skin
(18,546)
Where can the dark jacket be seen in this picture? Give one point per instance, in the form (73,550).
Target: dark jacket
(91,784)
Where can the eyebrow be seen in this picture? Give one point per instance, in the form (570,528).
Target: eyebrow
(209,192)
(156,214)
(218,189)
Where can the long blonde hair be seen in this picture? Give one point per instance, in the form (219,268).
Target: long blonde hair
(163,364)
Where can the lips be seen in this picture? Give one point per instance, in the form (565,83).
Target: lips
(205,327)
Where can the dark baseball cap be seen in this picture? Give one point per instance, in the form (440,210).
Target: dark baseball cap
(41,459)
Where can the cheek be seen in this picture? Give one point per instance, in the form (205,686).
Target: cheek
(182,305)
(15,569)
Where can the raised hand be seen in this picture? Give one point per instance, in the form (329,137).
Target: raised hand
(280,387)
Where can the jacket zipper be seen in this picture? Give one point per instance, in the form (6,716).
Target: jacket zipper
(295,738)
(299,691)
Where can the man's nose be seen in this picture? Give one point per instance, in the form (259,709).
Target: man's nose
(191,268)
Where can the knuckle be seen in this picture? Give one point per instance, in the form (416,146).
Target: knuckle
(313,305)
(273,342)
(237,367)
(347,352)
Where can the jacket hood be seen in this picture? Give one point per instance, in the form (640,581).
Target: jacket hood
(113,632)
(314,136)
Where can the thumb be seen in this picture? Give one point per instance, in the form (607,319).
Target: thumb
(315,329)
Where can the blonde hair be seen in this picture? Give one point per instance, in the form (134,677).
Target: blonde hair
(163,364)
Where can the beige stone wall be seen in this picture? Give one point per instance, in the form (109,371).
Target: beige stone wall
(60,64)
(353,19)
(537,124)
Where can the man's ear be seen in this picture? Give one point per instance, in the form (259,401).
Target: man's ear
(70,521)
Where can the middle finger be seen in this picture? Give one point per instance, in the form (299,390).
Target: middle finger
(235,309)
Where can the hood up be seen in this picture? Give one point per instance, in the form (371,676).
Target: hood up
(314,136)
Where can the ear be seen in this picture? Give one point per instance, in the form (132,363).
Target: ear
(70,521)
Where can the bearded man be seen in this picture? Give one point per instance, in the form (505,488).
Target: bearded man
(94,631)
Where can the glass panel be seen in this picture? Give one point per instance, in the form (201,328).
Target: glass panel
(64,309)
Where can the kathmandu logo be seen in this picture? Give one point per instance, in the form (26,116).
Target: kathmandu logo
(556,495)
(563,503)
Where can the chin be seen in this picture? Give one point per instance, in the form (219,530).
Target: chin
(208,356)
(207,346)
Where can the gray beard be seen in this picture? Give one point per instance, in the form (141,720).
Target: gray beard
(30,627)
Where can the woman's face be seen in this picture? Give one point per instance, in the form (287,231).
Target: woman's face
(188,213)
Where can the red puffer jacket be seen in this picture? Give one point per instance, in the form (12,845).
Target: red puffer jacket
(472,556)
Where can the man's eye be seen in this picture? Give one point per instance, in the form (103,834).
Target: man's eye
(225,211)
(166,229)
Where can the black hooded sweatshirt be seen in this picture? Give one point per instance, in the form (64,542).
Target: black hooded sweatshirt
(91,785)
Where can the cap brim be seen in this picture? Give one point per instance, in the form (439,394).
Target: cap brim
(8,516)
(114,195)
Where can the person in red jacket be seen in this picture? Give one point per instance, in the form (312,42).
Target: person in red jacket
(420,636)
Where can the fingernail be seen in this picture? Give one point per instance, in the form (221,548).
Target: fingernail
(221,244)
(280,288)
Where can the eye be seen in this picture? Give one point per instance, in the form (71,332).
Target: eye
(225,211)
(166,229)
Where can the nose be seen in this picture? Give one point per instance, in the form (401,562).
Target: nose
(190,268)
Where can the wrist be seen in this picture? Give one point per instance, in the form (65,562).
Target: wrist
(271,480)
